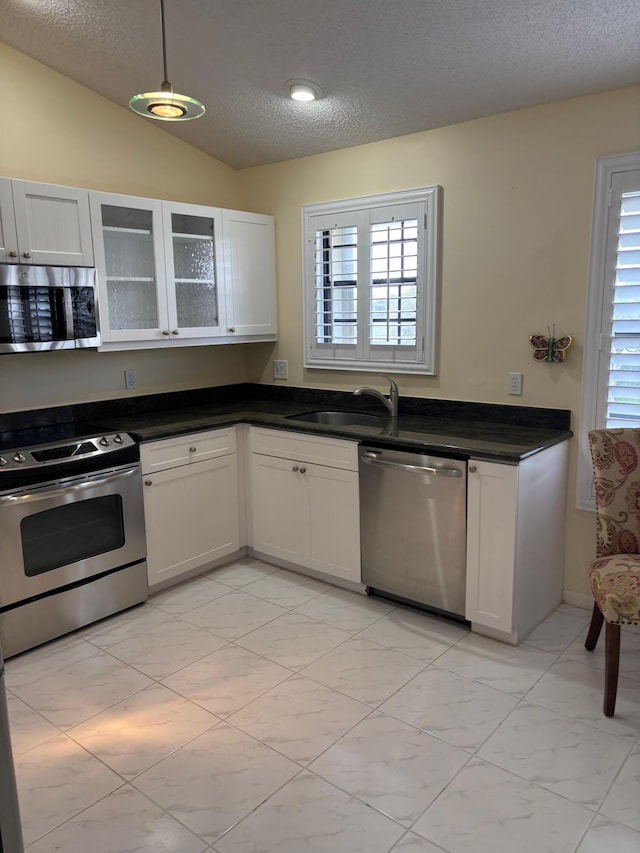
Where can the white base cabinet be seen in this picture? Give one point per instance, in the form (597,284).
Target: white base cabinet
(515,542)
(191,502)
(303,511)
(305,502)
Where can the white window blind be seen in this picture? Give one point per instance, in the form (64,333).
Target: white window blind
(623,397)
(611,368)
(370,280)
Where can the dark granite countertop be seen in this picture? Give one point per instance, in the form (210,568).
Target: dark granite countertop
(443,433)
(464,429)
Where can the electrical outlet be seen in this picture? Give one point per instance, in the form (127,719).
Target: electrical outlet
(515,383)
(281,369)
(129,379)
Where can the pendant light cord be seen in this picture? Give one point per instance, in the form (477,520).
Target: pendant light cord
(164,43)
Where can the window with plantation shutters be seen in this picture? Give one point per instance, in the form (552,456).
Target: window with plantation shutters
(611,374)
(370,281)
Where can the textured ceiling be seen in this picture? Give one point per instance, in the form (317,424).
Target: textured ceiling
(387,67)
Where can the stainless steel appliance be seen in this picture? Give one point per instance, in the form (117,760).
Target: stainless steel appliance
(43,308)
(72,539)
(413,527)
(10,828)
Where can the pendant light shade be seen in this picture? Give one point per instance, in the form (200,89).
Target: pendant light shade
(166,105)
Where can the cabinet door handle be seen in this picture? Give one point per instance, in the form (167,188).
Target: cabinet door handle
(231,329)
(175,332)
(295,468)
(193,449)
(27,254)
(148,482)
(303,470)
(13,254)
(472,469)
(165,331)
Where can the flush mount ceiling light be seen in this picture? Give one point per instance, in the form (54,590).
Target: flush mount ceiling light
(166,105)
(302,90)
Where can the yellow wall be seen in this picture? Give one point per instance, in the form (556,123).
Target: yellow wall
(62,133)
(518,191)
(517,209)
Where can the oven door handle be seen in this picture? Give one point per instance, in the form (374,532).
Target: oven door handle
(65,490)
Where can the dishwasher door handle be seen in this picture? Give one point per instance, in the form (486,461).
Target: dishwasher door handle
(372,459)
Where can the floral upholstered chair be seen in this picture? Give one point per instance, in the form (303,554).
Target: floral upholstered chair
(615,573)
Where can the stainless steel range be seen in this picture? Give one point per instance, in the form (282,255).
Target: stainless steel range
(72,543)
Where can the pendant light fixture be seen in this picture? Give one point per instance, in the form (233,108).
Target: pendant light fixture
(166,105)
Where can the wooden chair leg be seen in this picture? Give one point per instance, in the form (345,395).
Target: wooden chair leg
(612,662)
(594,628)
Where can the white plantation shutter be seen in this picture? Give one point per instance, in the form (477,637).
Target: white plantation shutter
(623,397)
(611,370)
(370,279)
(336,271)
(393,282)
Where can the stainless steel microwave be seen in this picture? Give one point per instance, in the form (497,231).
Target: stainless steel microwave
(44,308)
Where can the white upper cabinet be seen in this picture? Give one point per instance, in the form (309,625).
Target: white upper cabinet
(157,270)
(182,274)
(44,224)
(249,271)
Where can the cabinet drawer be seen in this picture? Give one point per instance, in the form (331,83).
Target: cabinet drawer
(195,447)
(304,448)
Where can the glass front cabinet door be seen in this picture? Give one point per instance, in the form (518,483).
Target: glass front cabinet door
(157,270)
(194,296)
(128,246)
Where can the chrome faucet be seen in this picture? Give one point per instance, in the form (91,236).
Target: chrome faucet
(391,401)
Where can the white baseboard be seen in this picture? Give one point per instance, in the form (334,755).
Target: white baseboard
(578,599)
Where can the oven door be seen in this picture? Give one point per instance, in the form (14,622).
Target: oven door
(62,532)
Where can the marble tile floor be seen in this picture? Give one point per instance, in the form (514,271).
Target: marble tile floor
(253,710)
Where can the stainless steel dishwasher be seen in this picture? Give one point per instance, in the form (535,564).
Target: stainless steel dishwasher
(413,527)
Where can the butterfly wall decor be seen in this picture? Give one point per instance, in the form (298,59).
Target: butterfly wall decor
(550,348)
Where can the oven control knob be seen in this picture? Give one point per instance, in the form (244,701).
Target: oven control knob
(118,439)
(19,457)
(3,461)
(104,441)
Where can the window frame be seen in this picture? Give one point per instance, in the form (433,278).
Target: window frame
(597,325)
(400,358)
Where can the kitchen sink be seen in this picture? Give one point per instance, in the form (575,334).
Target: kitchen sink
(338,418)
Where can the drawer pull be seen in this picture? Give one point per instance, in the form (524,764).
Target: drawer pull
(472,469)
(148,482)
(192,449)
(303,470)
(295,468)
